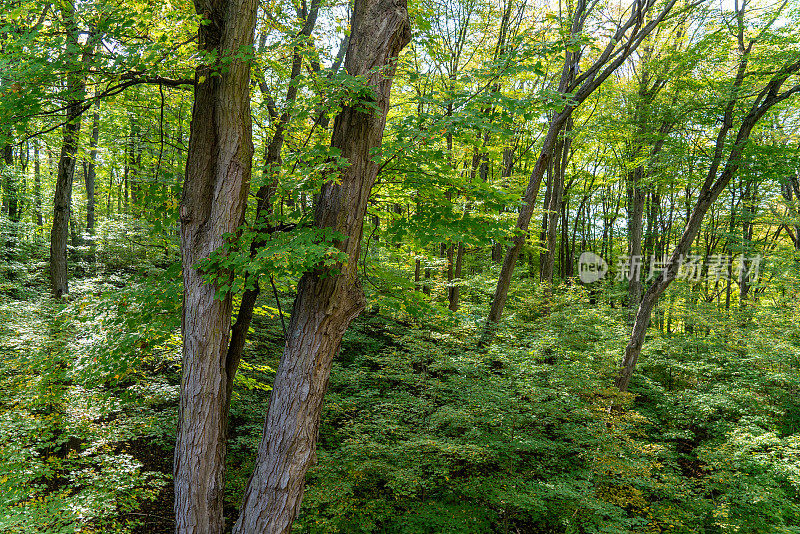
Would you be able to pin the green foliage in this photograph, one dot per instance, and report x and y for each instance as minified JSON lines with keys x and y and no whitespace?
{"x":69,"y":445}
{"x":284,"y":254}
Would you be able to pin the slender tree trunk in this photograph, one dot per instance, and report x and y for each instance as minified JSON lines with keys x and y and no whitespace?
{"x":731,"y":227}
{"x":10,"y":186}
{"x":497,"y":253}
{"x":91,"y":173}
{"x":327,"y":298}
{"x":417,"y":272}
{"x":508,"y":168}
{"x":523,"y":219}
{"x":376,"y":223}
{"x":636,"y":200}
{"x":556,"y":200}
{"x":8,"y":160}
{"x":449,"y":270}
{"x":215,"y":190}
{"x":748,"y":216}
{"x":109,"y":191}
{"x":455,"y":290}
{"x":62,"y":202}
{"x":37,"y":185}
{"x":264,"y":197}
{"x":10,"y":201}
{"x":426,"y":286}
{"x":637,"y":195}
{"x":548,"y":191}
{"x":564,"y":249}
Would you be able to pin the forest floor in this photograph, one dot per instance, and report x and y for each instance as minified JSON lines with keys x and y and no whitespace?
{"x":421,"y":432}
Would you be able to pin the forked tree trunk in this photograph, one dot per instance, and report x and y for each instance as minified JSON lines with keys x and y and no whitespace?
{"x":327,"y":298}
{"x":215,"y":190}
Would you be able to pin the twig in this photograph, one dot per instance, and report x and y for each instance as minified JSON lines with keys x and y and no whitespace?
{"x":278,"y":301}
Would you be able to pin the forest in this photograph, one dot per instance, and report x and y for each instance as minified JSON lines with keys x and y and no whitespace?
{"x":400,"y":266}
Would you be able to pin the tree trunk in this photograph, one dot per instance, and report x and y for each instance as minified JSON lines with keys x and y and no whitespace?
{"x":524,"y":218}
{"x":417,"y":270}
{"x":264,"y":198}
{"x":556,"y":199}
{"x":37,"y":186}
{"x":59,"y":233}
{"x":91,"y":172}
{"x":749,"y":209}
{"x":215,"y":190}
{"x":637,"y":195}
{"x":636,"y":198}
{"x":426,"y":286}
{"x":455,"y":289}
{"x":11,"y":193}
{"x":327,"y":298}
{"x":548,"y":191}
{"x":10,"y":202}
{"x":449,"y":286}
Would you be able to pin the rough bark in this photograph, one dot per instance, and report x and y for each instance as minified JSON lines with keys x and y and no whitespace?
{"x":327,"y":298}
{"x":215,"y":189}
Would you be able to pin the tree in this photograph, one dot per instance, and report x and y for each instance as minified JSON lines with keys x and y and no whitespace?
{"x":328,"y":298}
{"x":575,"y":90}
{"x":91,"y":172}
{"x":766,"y":96}
{"x":62,"y":203}
{"x":215,"y":190}
{"x":264,"y":195}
